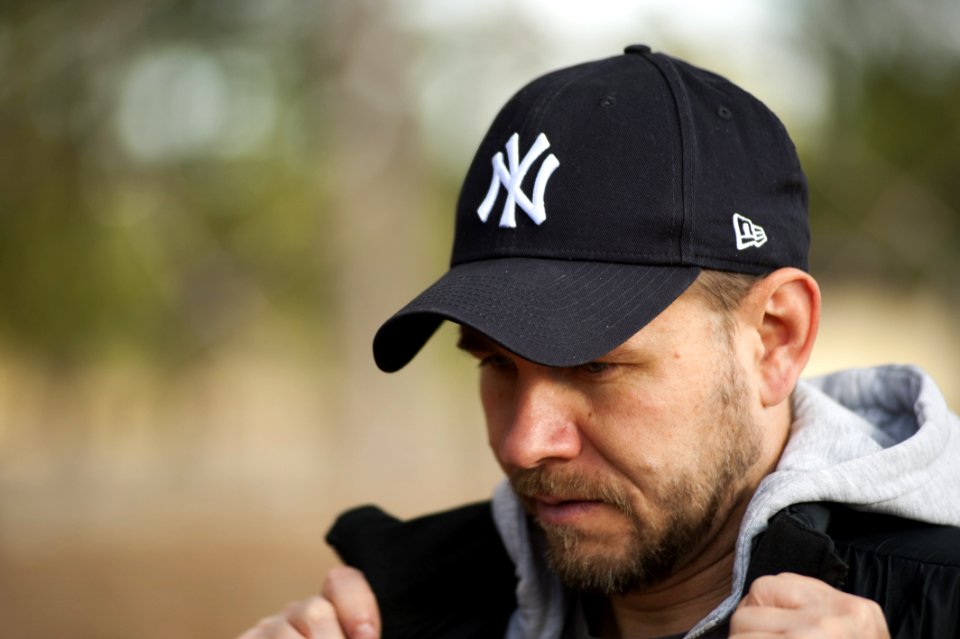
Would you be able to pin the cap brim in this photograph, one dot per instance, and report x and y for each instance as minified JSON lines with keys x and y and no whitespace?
{"x":552,"y":312}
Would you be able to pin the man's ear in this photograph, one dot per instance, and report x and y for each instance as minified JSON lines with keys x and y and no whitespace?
{"x":784,"y":308}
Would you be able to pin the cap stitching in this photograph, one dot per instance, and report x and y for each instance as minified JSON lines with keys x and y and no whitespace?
{"x":681,"y":103}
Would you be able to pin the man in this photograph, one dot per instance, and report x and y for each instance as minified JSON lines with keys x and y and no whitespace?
{"x":630,"y":270}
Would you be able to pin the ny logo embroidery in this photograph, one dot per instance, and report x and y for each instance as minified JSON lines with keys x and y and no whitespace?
{"x":511,"y":174}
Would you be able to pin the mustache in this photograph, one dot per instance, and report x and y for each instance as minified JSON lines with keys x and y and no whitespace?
{"x":540,"y":482}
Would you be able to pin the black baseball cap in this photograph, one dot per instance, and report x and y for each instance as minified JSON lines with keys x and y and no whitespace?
{"x":595,"y":199}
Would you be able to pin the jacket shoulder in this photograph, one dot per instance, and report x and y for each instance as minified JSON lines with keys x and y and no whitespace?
{"x":441,"y":575}
{"x":912,"y":569}
{"x":896,"y":537}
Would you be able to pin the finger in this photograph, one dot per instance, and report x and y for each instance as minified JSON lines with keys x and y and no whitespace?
{"x":766,"y":620}
{"x":787,"y":590}
{"x":275,"y":627}
{"x":790,"y":603}
{"x":780,"y":623}
{"x":350,"y":593}
{"x":314,"y":618}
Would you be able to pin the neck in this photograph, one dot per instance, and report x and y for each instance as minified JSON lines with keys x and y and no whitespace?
{"x":677,"y":604}
{"x":697,"y":587}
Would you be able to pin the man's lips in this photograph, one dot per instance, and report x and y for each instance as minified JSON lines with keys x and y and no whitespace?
{"x":560,"y":510}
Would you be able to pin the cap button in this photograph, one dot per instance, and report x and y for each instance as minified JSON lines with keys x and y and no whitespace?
{"x":637,"y":48}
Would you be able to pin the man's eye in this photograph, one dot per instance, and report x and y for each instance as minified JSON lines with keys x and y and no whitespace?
{"x":496,"y":361}
{"x":595,"y":368}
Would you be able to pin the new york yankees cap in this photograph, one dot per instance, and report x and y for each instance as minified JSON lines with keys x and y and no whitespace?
{"x":595,"y":199}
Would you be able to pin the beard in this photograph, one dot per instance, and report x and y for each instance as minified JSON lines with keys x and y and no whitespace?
{"x":651,"y":551}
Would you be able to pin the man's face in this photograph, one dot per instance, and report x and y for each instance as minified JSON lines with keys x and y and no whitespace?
{"x":631,"y":463}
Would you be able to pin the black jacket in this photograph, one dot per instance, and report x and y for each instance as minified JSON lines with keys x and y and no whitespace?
{"x":448,"y":575}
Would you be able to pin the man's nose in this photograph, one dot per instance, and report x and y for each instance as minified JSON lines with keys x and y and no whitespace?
{"x":543,"y":425}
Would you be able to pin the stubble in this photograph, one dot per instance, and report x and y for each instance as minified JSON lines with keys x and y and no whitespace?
{"x":651,"y":551}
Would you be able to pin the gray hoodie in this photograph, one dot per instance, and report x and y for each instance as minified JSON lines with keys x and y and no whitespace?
{"x":881,"y":440}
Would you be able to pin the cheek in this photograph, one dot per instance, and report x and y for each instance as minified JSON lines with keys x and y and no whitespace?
{"x":497,"y":403}
{"x":624,"y":428}
{"x":648,"y":433}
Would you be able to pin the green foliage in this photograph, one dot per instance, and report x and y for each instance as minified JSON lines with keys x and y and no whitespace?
{"x":156,"y":217}
{"x":166,"y":169}
{"x":885,"y":199}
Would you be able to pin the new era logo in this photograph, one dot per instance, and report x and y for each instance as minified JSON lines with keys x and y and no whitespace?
{"x":748,"y":233}
{"x":510,"y":174}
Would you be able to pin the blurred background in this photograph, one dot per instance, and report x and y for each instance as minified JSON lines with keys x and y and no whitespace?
{"x":208,"y":206}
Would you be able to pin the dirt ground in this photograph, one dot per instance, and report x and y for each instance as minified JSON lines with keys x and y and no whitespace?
{"x":145,"y":567}
{"x":130,"y":509}
{"x":205,"y":586}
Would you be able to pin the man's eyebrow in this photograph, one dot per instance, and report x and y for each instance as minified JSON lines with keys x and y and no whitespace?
{"x":623,"y":350}
{"x":472,"y":342}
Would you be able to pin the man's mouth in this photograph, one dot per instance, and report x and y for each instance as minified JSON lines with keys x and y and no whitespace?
{"x":558,"y":510}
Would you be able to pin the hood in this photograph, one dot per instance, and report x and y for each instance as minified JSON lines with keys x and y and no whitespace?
{"x":880,"y":440}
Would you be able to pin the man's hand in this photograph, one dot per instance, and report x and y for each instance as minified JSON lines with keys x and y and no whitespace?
{"x":347,"y":609}
{"x":789,"y":605}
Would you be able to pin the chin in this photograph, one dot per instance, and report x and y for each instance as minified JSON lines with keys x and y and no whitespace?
{"x":608,"y":562}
